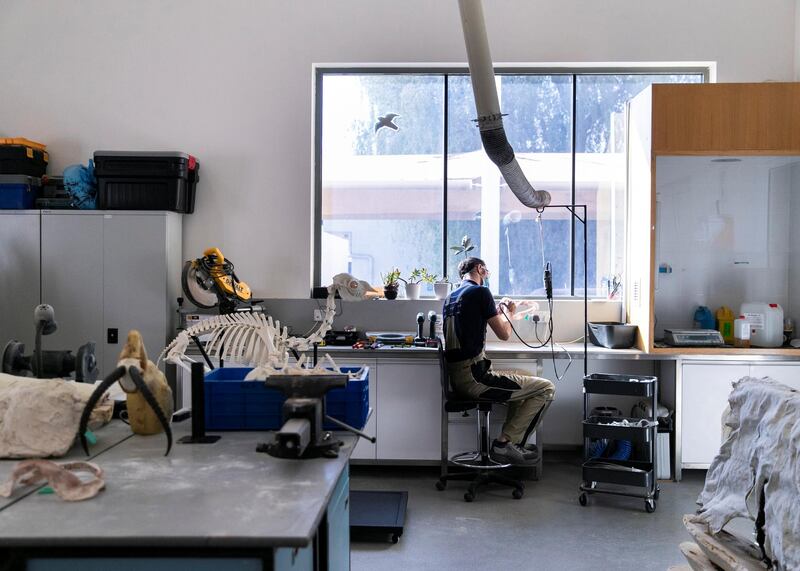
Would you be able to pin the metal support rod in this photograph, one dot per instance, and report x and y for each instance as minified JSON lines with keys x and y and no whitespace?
{"x":352,"y":429}
{"x":202,"y":351}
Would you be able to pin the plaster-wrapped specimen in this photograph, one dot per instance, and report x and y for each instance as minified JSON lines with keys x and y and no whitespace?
{"x":258,"y":340}
{"x":757,"y":471}
{"x":61,"y":477}
{"x":39,"y":417}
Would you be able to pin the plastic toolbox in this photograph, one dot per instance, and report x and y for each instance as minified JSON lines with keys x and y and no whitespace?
{"x":235,"y":404}
{"x":146,"y":180}
{"x":618,"y":384}
{"x":18,"y":191}
{"x":20,"y":156}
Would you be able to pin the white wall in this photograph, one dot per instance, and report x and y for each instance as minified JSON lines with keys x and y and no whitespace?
{"x":231,"y":83}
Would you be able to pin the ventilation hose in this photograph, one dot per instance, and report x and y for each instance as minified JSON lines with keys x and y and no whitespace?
{"x":490,"y":120}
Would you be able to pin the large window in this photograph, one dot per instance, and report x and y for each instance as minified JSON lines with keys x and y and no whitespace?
{"x":401,"y":175}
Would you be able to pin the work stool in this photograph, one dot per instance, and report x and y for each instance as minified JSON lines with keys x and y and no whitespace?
{"x":479,"y":468}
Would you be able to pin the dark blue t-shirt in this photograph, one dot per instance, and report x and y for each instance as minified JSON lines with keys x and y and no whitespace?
{"x":471,"y":306}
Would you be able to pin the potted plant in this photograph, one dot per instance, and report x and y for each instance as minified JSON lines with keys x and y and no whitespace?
{"x":441,"y":288}
{"x":415,"y":278}
{"x":391,"y":283}
{"x":465,"y":247}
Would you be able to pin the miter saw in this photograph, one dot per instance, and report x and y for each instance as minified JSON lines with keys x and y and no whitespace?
{"x":210,"y":282}
{"x":49,"y":364}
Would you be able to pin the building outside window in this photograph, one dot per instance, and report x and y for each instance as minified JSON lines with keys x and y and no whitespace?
{"x":402,"y":176}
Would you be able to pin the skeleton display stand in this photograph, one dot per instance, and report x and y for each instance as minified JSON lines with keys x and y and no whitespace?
{"x":198,"y":435}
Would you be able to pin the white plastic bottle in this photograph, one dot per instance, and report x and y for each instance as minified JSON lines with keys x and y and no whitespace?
{"x":741,"y":332}
{"x":766,"y":323}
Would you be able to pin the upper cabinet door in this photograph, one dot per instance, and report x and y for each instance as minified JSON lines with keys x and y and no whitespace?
{"x":726,"y":117}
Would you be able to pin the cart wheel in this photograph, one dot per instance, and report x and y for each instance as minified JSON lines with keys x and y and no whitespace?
{"x":582,"y":499}
{"x":657,"y":494}
{"x":441,"y":485}
{"x":395,"y":538}
{"x":517,"y":493}
{"x":650,"y":506}
{"x":468,"y":496}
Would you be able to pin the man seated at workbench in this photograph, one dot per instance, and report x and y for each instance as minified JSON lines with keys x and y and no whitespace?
{"x":467,"y":311}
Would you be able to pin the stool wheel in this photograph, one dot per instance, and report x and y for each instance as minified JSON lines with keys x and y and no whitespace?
{"x":441,"y":485}
{"x":517,"y":493}
{"x":469,"y":496}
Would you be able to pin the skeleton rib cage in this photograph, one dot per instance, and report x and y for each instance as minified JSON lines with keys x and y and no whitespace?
{"x":257,"y":340}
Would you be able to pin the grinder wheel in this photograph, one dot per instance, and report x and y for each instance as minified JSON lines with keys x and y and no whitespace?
{"x":86,"y":363}
{"x":13,"y":363}
{"x":194,"y":289}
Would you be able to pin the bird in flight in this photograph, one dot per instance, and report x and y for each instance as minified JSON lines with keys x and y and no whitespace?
{"x":387,"y":121}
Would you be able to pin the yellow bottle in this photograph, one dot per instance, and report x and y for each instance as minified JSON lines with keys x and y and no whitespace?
{"x":725,"y":323}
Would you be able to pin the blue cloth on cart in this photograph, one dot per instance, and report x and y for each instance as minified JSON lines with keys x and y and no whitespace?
{"x":79,"y":181}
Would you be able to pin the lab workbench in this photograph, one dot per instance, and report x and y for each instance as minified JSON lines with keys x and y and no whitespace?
{"x":210,"y":500}
{"x":404,"y":384}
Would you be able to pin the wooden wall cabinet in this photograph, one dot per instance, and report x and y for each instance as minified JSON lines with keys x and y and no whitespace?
{"x":714,"y":198}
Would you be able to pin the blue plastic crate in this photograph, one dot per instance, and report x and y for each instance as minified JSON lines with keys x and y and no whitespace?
{"x":235,"y":404}
{"x":18,"y":192}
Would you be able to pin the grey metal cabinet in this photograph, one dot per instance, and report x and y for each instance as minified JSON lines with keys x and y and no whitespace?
{"x":409,"y":409}
{"x":100,"y":270}
{"x":19,"y":275}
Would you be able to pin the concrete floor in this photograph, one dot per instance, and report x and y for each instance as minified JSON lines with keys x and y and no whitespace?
{"x":547,"y":529}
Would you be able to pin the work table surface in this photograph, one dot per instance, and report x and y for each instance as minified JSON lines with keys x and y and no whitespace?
{"x":108,"y":436}
{"x":498,"y":350}
{"x":217,"y":495}
{"x":517,"y":350}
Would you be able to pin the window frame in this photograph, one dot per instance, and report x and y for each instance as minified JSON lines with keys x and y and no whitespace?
{"x":706,"y":69}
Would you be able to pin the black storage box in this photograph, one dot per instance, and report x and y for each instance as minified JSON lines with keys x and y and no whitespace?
{"x":146,"y":180}
{"x":612,"y":335}
{"x":21,"y":159}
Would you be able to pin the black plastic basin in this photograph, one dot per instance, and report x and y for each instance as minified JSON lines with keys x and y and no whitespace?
{"x":612,"y":335}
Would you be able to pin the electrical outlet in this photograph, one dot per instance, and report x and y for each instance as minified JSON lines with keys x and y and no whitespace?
{"x":318,"y":315}
{"x":540,"y":316}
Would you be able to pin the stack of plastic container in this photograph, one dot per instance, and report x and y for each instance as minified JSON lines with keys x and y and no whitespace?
{"x":23,"y":163}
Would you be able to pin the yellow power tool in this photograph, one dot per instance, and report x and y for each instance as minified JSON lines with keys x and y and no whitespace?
{"x":210,"y":282}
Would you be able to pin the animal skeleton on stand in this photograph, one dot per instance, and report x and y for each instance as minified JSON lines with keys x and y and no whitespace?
{"x":258,"y":340}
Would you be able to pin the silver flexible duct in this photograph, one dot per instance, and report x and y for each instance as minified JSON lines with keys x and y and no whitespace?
{"x":490,"y":120}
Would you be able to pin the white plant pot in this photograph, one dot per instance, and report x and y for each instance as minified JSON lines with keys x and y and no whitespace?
{"x":441,"y":289}
{"x":412,"y":291}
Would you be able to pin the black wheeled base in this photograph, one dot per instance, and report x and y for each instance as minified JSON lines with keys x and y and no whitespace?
{"x":481,"y":478}
{"x":377,"y":514}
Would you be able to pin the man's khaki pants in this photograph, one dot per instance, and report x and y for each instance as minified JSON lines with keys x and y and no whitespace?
{"x":524,"y":394}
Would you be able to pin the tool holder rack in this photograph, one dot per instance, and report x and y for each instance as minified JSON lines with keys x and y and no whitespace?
{"x":622,"y":473}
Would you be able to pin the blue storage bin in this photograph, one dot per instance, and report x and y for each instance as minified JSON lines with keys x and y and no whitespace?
{"x":19,"y":192}
{"x":235,"y":404}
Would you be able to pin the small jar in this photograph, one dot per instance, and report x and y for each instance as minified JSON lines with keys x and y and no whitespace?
{"x":741,"y":332}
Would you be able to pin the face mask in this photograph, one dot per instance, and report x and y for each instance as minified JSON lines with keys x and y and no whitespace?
{"x":486,"y":282}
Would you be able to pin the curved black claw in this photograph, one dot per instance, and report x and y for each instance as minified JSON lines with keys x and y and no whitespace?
{"x":112,"y":378}
{"x":151,"y":400}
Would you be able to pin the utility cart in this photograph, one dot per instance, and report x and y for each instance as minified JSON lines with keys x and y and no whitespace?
{"x":627,"y":473}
